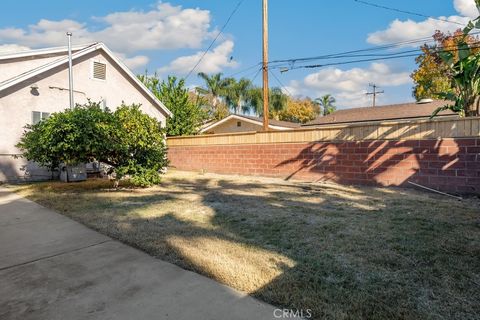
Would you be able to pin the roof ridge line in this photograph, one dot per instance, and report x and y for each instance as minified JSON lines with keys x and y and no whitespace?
{"x":45,"y":65}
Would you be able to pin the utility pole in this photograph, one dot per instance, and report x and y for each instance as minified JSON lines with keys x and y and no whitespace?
{"x":70,"y":70}
{"x":265,"y":66}
{"x":374,"y":93}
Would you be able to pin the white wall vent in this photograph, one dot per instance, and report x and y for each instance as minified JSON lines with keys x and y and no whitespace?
{"x":99,"y":70}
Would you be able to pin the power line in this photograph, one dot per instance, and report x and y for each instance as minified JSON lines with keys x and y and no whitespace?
{"x":256,"y":75}
{"x":344,"y":54}
{"x":396,"y":56}
{"x":244,"y":70}
{"x":215,"y":39}
{"x":407,"y":12}
{"x":280,"y":83}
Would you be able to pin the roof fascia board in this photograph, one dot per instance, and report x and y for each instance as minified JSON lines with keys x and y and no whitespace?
{"x":77,"y":55}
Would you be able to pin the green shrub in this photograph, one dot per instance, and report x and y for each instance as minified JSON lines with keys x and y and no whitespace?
{"x":129,"y":141}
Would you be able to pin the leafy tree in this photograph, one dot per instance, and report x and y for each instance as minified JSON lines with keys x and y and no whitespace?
{"x":327,"y":103}
{"x":215,"y":86}
{"x":238,"y":94}
{"x":188,"y":116}
{"x":139,"y":149}
{"x":464,"y":67}
{"x":129,"y":141}
{"x":299,"y":110}
{"x":217,"y":113}
{"x":433,"y":75}
{"x":214,"y":94}
{"x":70,"y":137}
{"x":277,"y":100}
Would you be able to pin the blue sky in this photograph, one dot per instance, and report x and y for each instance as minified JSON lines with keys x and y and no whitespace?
{"x":169,"y":36}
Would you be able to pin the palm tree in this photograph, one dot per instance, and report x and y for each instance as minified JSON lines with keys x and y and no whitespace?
{"x":277,"y":100}
{"x":215,"y":86}
{"x":327,"y":103}
{"x":237,"y":94}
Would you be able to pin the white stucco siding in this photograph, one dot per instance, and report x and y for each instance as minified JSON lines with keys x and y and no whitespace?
{"x":13,"y":67}
{"x":17,"y":103}
{"x":231,"y":126}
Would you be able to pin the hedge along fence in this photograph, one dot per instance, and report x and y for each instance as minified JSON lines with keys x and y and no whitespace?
{"x":441,"y":153}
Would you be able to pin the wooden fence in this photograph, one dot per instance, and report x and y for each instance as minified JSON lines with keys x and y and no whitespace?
{"x":388,"y":130}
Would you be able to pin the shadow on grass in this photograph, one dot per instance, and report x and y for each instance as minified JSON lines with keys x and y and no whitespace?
{"x":344,"y":253}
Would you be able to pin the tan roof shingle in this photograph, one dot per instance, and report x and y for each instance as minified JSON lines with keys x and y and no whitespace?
{"x":388,"y":112}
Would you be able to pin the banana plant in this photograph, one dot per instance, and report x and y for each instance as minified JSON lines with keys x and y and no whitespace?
{"x":465,"y":91}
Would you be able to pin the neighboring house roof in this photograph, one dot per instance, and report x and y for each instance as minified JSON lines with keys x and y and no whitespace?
{"x":388,"y":112}
{"x":273,"y":124}
{"x":79,"y":52}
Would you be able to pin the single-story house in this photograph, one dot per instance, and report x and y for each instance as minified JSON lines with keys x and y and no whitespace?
{"x":34,"y":84}
{"x":405,"y":111}
{"x":241,"y":123}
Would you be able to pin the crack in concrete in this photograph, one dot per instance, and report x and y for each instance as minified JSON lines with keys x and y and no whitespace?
{"x":55,"y":255}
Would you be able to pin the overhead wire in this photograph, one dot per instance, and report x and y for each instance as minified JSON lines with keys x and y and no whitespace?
{"x":407,"y":12}
{"x":215,"y":39}
{"x":405,"y":54}
{"x":281,"y":83}
{"x":353,"y":52}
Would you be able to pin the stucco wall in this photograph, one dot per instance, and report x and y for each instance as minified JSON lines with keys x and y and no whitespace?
{"x":231,"y":126}
{"x":18,"y":102}
{"x":13,"y":67}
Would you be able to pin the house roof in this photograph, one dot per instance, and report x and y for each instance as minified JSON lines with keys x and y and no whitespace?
{"x":40,"y":52}
{"x":273,"y":124}
{"x":80,"y":52}
{"x":388,"y":112}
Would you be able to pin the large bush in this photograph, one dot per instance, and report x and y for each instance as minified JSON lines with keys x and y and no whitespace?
{"x":129,"y":141}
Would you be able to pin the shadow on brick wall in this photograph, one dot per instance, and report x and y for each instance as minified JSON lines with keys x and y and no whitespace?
{"x":449,"y":164}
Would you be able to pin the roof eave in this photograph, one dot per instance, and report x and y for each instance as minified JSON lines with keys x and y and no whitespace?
{"x":78,"y":54}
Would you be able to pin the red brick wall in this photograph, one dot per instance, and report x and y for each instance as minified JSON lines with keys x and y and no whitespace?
{"x":449,"y":164}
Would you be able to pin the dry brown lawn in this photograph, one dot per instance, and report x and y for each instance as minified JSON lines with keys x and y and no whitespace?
{"x":344,"y":252}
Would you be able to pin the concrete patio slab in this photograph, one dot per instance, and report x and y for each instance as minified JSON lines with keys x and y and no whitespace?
{"x":54,"y":268}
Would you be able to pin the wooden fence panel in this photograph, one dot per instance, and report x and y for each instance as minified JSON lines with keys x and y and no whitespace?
{"x":388,"y":130}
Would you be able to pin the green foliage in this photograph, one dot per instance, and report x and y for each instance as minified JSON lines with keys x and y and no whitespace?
{"x":277,"y":100}
{"x":465,"y":73}
{"x":239,"y":95}
{"x":431,"y":78}
{"x":71,"y":137}
{"x":214,"y":94}
{"x":299,"y":110}
{"x":327,"y":103}
{"x":129,"y":141}
{"x":139,"y":146}
{"x":188,"y":114}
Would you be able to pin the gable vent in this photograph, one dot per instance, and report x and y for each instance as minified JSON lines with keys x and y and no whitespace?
{"x":99,"y":70}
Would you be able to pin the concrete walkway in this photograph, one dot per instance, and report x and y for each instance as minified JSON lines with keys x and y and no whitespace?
{"x":52,"y":267}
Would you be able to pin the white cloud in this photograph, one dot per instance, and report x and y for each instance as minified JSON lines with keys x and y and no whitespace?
{"x":214,"y":61}
{"x":7,"y":48}
{"x":402,"y":30}
{"x":134,"y":62}
{"x":349,"y":86}
{"x":407,"y":30}
{"x":165,"y":27}
{"x":466,"y":8}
